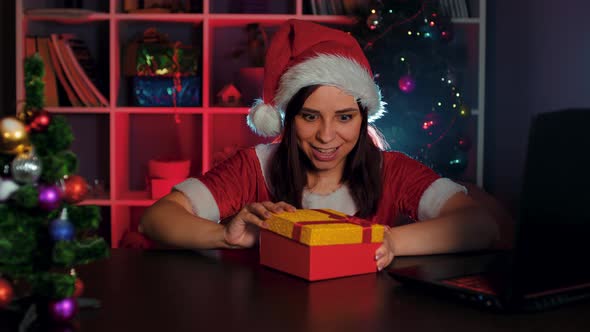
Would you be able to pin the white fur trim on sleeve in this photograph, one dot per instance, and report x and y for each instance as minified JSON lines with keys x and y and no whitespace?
{"x":435,"y":196}
{"x":200,"y":197}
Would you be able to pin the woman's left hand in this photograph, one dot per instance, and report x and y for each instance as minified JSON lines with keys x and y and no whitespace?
{"x":385,"y":254}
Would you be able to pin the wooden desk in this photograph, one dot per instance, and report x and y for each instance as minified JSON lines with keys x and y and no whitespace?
{"x":229,"y":291}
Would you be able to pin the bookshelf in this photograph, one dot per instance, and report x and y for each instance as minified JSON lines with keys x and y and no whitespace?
{"x":115,"y":142}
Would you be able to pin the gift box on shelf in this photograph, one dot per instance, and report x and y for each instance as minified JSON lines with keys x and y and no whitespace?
{"x":163,"y":73}
{"x":320,"y":244}
{"x":165,"y":174}
{"x":153,"y":91}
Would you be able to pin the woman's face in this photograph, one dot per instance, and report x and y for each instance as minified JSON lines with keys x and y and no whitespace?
{"x":328,"y":127}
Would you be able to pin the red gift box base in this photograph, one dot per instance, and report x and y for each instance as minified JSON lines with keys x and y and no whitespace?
{"x":316,"y":262}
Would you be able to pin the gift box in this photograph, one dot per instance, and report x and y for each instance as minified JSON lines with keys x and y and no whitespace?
{"x":162,"y":90}
{"x":320,"y":244}
{"x":165,"y":58}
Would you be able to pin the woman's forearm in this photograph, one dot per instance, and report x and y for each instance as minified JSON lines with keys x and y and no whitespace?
{"x":470,"y":228}
{"x":168,"y":222}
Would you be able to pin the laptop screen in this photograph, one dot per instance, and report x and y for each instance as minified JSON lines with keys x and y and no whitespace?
{"x":553,"y":236}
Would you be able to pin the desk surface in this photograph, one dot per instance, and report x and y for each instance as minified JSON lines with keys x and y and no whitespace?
{"x":228,"y":291}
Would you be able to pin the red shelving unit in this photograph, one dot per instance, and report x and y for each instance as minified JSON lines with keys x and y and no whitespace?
{"x":117,"y":141}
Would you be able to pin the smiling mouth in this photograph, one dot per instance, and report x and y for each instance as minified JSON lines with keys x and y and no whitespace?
{"x":324,"y":154}
{"x":331,"y":150}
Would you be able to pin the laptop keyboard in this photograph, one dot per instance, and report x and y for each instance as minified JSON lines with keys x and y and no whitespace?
{"x":478,"y":282}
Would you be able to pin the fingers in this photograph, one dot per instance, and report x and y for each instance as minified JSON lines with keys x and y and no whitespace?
{"x":255,"y":214}
{"x":279,"y":207}
{"x":383,"y":257}
{"x":286,"y":206}
{"x":384,"y":254}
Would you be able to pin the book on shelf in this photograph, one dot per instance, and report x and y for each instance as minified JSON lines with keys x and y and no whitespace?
{"x":71,"y":73}
{"x":79,"y":55}
{"x":463,"y":9}
{"x":79,"y":88}
{"x":454,"y":8}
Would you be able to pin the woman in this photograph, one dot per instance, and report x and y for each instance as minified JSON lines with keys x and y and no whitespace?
{"x":326,"y":158}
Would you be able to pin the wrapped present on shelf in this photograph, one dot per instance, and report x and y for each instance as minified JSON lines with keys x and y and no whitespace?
{"x":163,"y":73}
{"x":320,"y":244}
{"x":151,"y":91}
{"x":165,"y":59}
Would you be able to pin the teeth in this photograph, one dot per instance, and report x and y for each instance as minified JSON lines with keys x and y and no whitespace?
{"x":326,"y":150}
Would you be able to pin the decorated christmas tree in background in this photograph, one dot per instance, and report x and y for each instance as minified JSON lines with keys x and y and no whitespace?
{"x":43,"y":234}
{"x":410,"y":47}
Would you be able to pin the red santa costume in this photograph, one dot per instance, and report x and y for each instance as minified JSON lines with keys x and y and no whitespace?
{"x":302,"y":54}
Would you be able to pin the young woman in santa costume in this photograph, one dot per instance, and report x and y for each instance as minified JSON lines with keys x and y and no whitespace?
{"x":320,"y":97}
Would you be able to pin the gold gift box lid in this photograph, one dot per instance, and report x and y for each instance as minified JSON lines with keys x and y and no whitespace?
{"x":315,"y":227}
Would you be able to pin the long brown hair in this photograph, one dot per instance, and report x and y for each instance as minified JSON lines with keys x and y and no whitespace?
{"x":289,"y":165}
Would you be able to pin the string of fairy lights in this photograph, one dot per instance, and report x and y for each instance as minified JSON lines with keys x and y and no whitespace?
{"x":410,"y":46}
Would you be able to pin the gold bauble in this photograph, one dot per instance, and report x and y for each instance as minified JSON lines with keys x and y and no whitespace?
{"x":13,"y":136}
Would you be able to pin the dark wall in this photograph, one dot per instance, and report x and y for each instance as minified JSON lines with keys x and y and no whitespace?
{"x":7,"y":58}
{"x":538,"y":60}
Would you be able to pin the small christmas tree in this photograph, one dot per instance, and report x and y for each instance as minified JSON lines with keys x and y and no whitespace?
{"x":43,"y":234}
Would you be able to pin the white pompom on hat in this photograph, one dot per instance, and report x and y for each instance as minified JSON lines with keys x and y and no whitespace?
{"x":303,"y":53}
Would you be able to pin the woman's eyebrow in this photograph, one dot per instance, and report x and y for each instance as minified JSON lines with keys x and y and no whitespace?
{"x":344,"y":110}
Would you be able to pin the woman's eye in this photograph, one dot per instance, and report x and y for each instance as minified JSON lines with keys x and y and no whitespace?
{"x":345,"y":117}
{"x":308,"y":116}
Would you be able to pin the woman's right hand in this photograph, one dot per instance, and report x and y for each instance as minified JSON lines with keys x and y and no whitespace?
{"x":242,"y":230}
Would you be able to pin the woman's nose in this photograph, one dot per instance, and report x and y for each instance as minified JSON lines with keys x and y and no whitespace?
{"x":326,"y":132}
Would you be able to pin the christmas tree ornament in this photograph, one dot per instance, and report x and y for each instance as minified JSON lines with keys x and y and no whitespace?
{"x":26,"y":168}
{"x":406,"y":83}
{"x":5,"y":169}
{"x":40,"y":121}
{"x":25,"y":115}
{"x":63,"y":310}
{"x":49,"y":197}
{"x":61,"y":229}
{"x":6,"y":293}
{"x":7,"y":188}
{"x":78,"y":288}
{"x":13,"y":136}
{"x":75,"y":188}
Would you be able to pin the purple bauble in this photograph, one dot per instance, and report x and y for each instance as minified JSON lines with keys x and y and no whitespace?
{"x":63,"y":310}
{"x":49,"y":197}
{"x":406,"y":83}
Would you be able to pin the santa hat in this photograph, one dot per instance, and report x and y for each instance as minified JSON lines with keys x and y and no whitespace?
{"x":301,"y":54}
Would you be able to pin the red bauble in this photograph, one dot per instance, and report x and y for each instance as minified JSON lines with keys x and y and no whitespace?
{"x":6,"y":293}
{"x":78,"y":288}
{"x":75,"y":189}
{"x":40,"y":121}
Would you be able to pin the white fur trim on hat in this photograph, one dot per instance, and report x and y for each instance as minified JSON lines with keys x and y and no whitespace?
{"x":334,"y":70}
{"x":264,"y":119}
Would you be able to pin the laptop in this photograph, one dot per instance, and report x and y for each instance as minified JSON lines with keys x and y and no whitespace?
{"x":548,"y":265}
